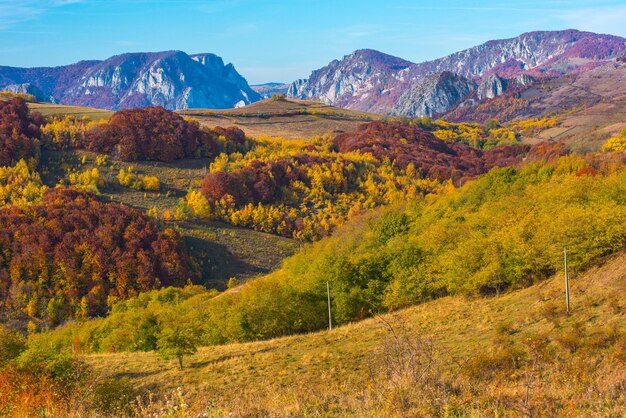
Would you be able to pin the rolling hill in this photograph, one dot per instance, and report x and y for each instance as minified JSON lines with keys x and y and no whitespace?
{"x":466,"y":346}
{"x":287,"y":118}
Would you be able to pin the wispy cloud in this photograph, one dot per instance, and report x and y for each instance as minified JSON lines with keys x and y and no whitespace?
{"x":218,"y":6}
{"x":604,"y":20}
{"x":484,"y":9}
{"x":14,"y":12}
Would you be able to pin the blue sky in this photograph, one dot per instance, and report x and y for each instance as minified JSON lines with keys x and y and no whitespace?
{"x":280,"y":40}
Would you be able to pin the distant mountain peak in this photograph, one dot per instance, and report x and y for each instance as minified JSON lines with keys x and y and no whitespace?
{"x":172,"y":79}
{"x":356,"y":77}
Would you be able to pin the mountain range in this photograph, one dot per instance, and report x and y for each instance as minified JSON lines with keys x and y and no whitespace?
{"x":171,"y":79}
{"x":372,"y":81}
{"x":365,"y":80}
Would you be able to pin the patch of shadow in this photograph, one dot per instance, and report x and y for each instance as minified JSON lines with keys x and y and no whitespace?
{"x":199,"y":364}
{"x":217,"y":263}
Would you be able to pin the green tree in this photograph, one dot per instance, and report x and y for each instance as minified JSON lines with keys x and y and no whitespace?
{"x":179,"y":337}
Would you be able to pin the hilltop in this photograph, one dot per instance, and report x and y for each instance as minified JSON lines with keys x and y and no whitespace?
{"x":288,"y":118}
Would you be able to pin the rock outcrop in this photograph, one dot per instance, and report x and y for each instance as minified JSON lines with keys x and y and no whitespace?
{"x":433,"y":94}
{"x":491,"y":86}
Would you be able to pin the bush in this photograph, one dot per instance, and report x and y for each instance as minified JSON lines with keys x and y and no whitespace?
{"x":88,"y":180}
{"x":12,"y":343}
{"x":113,"y":397}
{"x":136,"y":181}
{"x":151,"y":183}
{"x":615,"y":144}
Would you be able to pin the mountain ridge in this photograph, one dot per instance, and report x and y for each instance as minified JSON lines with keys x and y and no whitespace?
{"x":531,"y":54}
{"x":172,"y":79}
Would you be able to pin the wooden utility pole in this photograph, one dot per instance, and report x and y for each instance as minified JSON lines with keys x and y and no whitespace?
{"x":330,"y":321}
{"x":566,"y":280}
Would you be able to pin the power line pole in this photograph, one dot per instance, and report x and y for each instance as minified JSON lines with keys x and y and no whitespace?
{"x":566,"y":281}
{"x":330,"y":321}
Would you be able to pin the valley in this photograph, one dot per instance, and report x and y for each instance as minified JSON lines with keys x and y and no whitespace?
{"x":176,"y":242}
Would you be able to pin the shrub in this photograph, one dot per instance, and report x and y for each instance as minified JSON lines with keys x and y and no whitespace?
{"x":136,"y":181}
{"x":151,"y":183}
{"x":615,"y":144}
{"x":88,"y":180}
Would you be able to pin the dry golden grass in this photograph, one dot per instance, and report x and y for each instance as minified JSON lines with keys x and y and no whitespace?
{"x":291,"y":119}
{"x":49,"y":109}
{"x":514,"y":355}
{"x":591,"y":109}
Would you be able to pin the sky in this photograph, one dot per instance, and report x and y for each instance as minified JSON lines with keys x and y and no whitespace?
{"x":280,"y":40}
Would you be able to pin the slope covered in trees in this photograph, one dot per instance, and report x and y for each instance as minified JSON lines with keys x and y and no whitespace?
{"x":504,"y":230}
{"x":19,"y":132}
{"x":509,"y":355}
{"x":73,"y":256}
{"x":305,"y":189}
{"x":151,"y":133}
{"x":405,"y":144}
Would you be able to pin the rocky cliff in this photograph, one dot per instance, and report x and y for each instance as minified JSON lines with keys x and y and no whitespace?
{"x":362,"y":79}
{"x":433,"y":94}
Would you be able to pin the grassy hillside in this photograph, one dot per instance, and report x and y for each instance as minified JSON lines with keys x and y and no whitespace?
{"x":49,"y":109}
{"x":510,"y":355}
{"x":288,"y":118}
{"x":588,"y":128}
{"x":466,"y":350}
{"x":590,"y":107}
